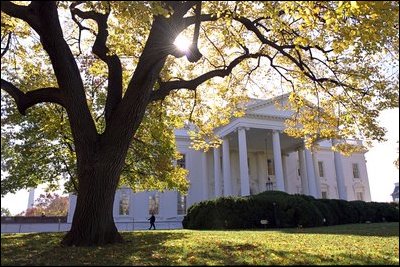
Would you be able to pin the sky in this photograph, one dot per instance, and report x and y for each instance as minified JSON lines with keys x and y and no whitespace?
{"x":382,"y":172}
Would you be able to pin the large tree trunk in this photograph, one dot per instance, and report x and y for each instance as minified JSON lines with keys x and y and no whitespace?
{"x":93,"y":221}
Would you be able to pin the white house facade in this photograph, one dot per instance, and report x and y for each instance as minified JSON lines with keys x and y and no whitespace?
{"x":255,"y":156}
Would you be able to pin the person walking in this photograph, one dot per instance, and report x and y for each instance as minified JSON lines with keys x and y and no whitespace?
{"x":152,"y":219}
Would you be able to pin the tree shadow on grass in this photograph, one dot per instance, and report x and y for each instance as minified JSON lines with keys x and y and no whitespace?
{"x":176,"y":248}
{"x":45,"y":249}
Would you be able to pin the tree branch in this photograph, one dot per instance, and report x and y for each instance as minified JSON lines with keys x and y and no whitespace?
{"x":299,"y":63}
{"x":180,"y":8}
{"x":7,"y":45}
{"x":26,"y":13}
{"x":14,"y":10}
{"x":29,"y":99}
{"x":166,"y":87}
{"x":194,"y":52}
{"x":100,"y":49}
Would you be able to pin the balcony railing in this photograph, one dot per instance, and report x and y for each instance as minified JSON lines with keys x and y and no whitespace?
{"x":269,"y":186}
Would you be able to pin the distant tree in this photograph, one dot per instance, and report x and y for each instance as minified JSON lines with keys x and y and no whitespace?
{"x":5,"y":212}
{"x":48,"y":204}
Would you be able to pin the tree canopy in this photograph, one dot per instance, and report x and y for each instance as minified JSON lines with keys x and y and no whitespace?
{"x":341,"y":56}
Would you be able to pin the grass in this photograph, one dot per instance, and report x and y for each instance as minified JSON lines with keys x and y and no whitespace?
{"x":352,"y":244}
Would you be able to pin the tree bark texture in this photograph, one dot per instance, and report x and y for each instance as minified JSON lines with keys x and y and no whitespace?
{"x":93,"y":221}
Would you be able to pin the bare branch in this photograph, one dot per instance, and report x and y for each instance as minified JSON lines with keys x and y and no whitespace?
{"x":194,"y":52}
{"x":71,"y":176}
{"x":194,"y":105}
{"x":29,"y":99}
{"x":100,"y":49}
{"x":7,"y":45}
{"x":216,"y":48}
{"x":166,"y":87}
{"x":80,"y":26}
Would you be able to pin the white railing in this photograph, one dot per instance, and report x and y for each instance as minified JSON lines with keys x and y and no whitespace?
{"x":63,"y":227}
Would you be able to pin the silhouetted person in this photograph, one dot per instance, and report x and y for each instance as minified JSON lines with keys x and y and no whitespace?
{"x":152,"y":219}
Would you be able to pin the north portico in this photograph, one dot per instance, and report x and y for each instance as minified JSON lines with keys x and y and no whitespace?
{"x":255,"y":156}
{"x":255,"y":152}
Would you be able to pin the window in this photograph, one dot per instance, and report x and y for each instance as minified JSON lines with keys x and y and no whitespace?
{"x":182,"y":161}
{"x":321,"y":168}
{"x":181,"y":204}
{"x":154,"y":204}
{"x":324,"y":194}
{"x":271,"y":170}
{"x":124,"y":204}
{"x":356,"y":173}
{"x":359,"y":196}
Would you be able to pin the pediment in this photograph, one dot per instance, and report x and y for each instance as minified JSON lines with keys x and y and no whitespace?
{"x":270,"y":107}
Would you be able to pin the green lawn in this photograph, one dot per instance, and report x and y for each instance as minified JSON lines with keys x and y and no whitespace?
{"x":355,"y":244}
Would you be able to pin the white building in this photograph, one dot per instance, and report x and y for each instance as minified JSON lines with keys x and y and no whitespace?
{"x":255,"y":156}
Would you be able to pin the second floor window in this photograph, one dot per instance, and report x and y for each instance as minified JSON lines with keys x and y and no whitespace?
{"x":356,"y":173}
{"x":321,"y":168}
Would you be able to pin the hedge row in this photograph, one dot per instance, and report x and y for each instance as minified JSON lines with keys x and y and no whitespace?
{"x":281,"y":209}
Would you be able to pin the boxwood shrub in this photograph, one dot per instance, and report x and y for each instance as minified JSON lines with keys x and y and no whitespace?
{"x":281,"y":209}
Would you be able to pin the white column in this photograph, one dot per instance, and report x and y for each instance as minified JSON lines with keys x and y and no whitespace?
{"x":280,"y":185}
{"x":339,"y":174}
{"x":303,"y":173}
{"x":205,"y":174}
{"x":284,"y":168}
{"x":235,"y":173}
{"x":72,"y":205}
{"x":217,"y":172}
{"x":31,"y":198}
{"x":261,"y":172}
{"x":310,"y":173}
{"x":243,"y":164}
{"x":317,"y":178}
{"x":226,"y":164}
{"x":116,"y":203}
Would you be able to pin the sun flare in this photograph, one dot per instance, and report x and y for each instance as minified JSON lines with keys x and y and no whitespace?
{"x":182,"y":43}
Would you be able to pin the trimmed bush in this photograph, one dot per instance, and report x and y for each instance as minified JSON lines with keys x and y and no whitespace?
{"x":281,"y":209}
